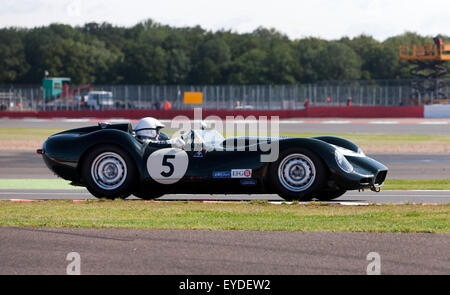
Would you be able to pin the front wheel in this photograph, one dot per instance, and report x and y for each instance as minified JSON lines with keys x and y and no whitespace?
{"x":297,"y":175}
{"x":109,"y":172}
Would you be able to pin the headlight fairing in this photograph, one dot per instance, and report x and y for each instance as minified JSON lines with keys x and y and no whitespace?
{"x":343,"y":163}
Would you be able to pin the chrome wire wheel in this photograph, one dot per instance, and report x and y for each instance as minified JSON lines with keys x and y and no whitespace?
{"x":109,"y":170}
{"x":296,"y":172}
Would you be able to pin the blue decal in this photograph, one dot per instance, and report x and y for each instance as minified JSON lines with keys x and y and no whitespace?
{"x":198,"y":154}
{"x":248,"y":182}
{"x":221,"y":174}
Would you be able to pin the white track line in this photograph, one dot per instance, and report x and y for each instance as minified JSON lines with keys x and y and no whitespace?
{"x":384,"y":122}
{"x":336,"y":122}
{"x":433,"y":123}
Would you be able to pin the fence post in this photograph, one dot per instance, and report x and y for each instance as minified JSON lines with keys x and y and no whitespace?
{"x":32,"y":98}
{"x":21,"y":100}
{"x":338,"y":95}
{"x":270,"y":97}
{"x":386,"y":94}
{"x":126,"y":97}
{"x":217,"y":97}
{"x":139,"y":97}
{"x":374,"y":94}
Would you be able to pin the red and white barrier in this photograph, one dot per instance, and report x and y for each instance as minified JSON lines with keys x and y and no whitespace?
{"x":437,"y":111}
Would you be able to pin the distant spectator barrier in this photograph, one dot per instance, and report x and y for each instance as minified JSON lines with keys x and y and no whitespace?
{"x":311,"y":112}
{"x":256,"y":97}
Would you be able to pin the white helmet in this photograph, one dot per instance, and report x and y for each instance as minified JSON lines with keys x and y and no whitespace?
{"x":148,"y":128}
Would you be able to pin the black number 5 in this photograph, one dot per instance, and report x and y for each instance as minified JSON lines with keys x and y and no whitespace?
{"x":166,"y":163}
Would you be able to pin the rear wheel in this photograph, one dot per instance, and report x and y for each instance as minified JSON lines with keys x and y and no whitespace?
{"x":298,"y":174}
{"x":109,"y":172}
{"x":147,"y":195}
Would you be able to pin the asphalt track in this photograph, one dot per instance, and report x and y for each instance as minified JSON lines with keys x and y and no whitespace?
{"x":367,"y":126}
{"x":194,"y":252}
{"x":350,"y":198}
{"x":27,"y":164}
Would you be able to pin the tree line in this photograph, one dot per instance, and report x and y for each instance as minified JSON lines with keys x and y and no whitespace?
{"x":152,"y":53}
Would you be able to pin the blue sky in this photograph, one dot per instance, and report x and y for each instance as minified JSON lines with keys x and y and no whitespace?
{"x":329,"y":19}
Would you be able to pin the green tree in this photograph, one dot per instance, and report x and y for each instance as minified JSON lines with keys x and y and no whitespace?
{"x":337,"y":61}
{"x":250,"y":68}
{"x":213,"y":62}
{"x":13,"y":64}
{"x":307,"y":55}
{"x":144,"y":64}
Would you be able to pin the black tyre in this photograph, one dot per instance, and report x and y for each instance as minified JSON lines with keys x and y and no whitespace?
{"x":147,"y":195}
{"x":330,"y":195}
{"x":298,"y":174}
{"x":109,"y":172}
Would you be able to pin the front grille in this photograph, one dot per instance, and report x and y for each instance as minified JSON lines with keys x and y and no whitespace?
{"x":381,"y":176}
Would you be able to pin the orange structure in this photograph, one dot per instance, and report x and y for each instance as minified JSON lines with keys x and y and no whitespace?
{"x":425,"y":52}
{"x":428,"y":61}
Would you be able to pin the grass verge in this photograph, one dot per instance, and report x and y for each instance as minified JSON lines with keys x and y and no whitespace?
{"x":417,"y":184}
{"x":230,"y":216}
{"x":54,"y":183}
{"x":382,"y":139}
{"x":390,"y":184}
{"x":32,"y":138}
{"x":39,"y":134}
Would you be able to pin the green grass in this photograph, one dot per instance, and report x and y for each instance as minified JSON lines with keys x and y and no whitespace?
{"x":231,"y":216}
{"x":381,"y":139}
{"x":27,"y":133}
{"x":417,"y":184}
{"x":390,"y":184}
{"x":56,"y":183}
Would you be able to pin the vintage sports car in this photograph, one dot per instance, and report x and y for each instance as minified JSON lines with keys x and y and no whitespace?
{"x":112,"y":162}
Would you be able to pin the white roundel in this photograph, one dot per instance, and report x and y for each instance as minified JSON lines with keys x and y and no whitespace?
{"x":168,"y":165}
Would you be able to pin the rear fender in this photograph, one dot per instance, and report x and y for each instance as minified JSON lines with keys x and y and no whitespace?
{"x":118,"y":138}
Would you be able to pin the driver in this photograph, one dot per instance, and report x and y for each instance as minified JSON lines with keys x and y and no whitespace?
{"x":148,"y":130}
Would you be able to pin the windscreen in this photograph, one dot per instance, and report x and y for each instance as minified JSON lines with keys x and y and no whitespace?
{"x":209,"y":138}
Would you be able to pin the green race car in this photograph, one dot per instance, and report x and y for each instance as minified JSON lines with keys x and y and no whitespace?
{"x":112,"y":162}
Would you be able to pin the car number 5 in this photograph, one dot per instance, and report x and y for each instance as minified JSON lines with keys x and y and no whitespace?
{"x":165,"y":162}
{"x":167,"y":165}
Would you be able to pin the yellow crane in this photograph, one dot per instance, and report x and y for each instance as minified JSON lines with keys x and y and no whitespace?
{"x":428,"y":61}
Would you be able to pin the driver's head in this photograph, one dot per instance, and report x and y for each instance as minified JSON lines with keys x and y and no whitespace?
{"x":148,"y":128}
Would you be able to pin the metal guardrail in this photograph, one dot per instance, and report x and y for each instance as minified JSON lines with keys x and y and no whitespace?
{"x":274,"y":97}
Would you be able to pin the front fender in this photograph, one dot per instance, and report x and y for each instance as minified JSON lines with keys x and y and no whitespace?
{"x":339,"y":141}
{"x":322,"y":149}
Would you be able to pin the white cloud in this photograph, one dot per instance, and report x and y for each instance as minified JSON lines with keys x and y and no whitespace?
{"x":328,"y":19}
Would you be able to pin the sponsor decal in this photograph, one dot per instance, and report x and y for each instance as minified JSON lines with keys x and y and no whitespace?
{"x":241,"y":173}
{"x":221,"y":174}
{"x":248,"y":182}
{"x":198,"y":154}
